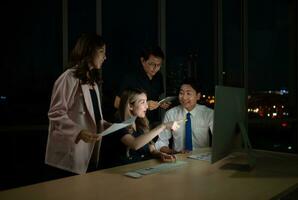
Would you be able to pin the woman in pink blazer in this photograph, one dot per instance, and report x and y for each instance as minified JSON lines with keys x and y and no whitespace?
{"x":75,"y":115}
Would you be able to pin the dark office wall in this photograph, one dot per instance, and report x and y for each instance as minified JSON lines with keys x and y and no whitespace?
{"x":81,"y":18}
{"x":31,"y":60}
{"x":31,"y":50}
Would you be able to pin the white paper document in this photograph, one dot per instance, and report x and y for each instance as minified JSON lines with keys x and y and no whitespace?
{"x":117,"y":126}
{"x":167,"y":99}
{"x":201,"y":156}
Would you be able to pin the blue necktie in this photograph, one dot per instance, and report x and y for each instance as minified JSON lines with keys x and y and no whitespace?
{"x":188,"y":135}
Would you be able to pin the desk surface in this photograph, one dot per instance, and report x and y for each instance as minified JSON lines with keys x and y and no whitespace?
{"x":273,"y":173}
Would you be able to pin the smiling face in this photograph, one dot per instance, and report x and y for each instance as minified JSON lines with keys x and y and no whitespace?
{"x":99,"y":58}
{"x":188,"y":97}
{"x":139,"y":105}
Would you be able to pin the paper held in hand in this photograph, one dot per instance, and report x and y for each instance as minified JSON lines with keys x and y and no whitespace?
{"x":167,"y":99}
{"x":117,"y":126}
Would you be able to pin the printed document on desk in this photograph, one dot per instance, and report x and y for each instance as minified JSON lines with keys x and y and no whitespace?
{"x":117,"y":126}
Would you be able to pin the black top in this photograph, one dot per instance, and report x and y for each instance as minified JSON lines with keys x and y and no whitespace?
{"x":94,"y":157}
{"x":154,"y":88}
{"x":95,"y":107}
{"x":114,"y":153}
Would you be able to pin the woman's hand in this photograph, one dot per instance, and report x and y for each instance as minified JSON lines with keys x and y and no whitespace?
{"x":174,"y":125}
{"x":87,"y":137}
{"x":105,"y":124}
{"x":167,"y":157}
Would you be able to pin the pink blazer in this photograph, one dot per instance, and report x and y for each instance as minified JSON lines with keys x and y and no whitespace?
{"x":71,"y":110}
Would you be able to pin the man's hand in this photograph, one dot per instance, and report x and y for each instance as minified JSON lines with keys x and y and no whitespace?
{"x":152,"y":105}
{"x":165,"y":105}
{"x":184,"y":151}
{"x":105,"y":124}
{"x":167,"y":157}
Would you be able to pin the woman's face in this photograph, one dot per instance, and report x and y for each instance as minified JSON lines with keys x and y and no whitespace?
{"x":100,"y":57}
{"x":140,"y":106}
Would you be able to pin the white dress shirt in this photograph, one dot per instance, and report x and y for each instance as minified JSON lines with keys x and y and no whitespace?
{"x":201,"y":123}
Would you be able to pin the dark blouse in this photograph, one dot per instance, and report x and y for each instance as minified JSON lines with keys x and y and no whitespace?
{"x":95,"y":106}
{"x":114,"y":153}
{"x":93,"y":164}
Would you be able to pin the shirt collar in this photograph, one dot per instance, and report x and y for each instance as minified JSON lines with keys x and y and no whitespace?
{"x":143,"y":74}
{"x":192,"y":112}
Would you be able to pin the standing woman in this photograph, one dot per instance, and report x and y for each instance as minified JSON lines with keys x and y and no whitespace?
{"x":75,"y":115}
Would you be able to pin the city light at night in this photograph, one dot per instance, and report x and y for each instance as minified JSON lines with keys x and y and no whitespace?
{"x":268,"y":104}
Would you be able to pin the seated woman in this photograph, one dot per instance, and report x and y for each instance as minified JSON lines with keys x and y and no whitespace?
{"x":134,"y":143}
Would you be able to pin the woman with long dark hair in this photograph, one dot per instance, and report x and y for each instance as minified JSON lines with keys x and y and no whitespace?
{"x":75,"y":114}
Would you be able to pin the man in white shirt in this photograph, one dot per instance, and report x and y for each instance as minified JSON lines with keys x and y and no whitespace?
{"x":201,"y":118}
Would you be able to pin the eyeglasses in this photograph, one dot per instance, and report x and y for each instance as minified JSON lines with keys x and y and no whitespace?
{"x":154,"y":65}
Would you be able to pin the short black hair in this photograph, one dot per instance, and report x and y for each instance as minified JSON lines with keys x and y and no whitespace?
{"x":193,"y":82}
{"x":152,"y":50}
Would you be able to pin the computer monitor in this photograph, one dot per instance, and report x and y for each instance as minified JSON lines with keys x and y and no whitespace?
{"x":230,"y":122}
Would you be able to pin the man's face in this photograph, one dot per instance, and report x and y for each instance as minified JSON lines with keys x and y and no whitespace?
{"x":152,"y":65}
{"x":188,"y":97}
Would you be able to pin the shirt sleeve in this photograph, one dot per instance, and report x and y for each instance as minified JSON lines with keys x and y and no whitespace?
{"x":164,"y":136}
{"x":62,"y":98}
{"x":210,"y":120}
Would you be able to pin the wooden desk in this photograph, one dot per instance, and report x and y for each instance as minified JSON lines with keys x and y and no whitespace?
{"x":274,"y":173}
